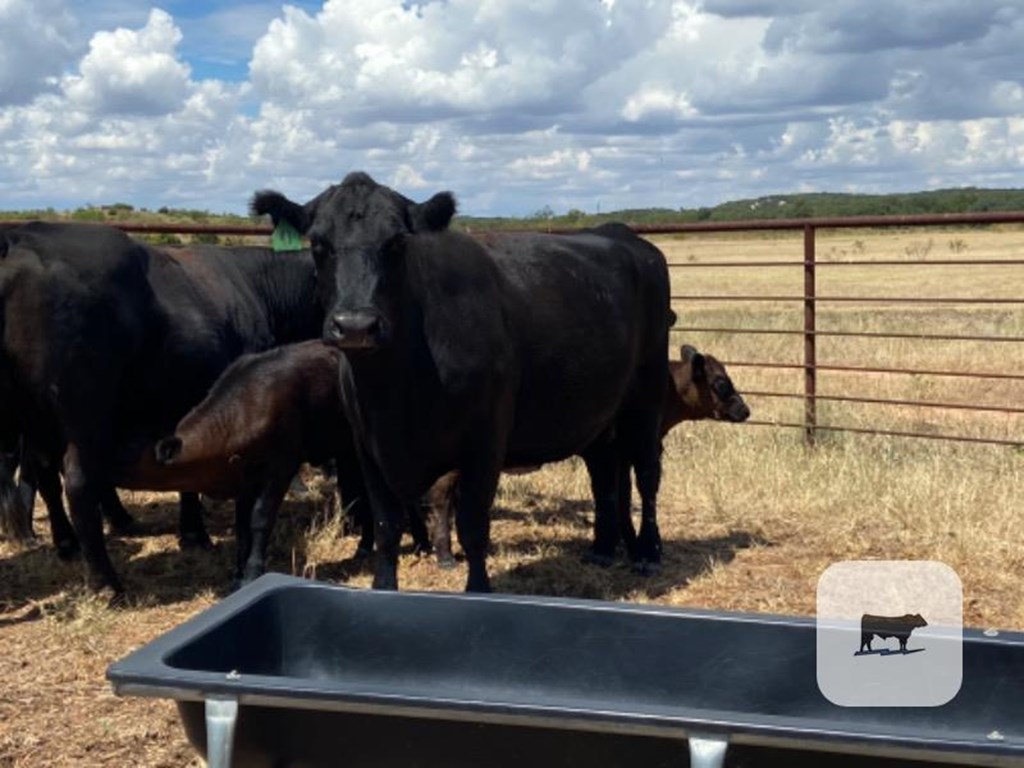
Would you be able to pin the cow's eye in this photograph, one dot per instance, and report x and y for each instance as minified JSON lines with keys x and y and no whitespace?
{"x":722,"y":388}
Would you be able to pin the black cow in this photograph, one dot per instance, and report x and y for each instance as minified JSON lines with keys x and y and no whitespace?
{"x":472,"y":355}
{"x":111,"y":342}
{"x":885,"y":627}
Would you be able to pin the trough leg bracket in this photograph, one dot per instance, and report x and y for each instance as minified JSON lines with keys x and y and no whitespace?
{"x":707,"y":750}
{"x":221,"y":716}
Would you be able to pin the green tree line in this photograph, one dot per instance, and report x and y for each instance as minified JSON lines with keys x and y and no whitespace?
{"x":810,"y":205}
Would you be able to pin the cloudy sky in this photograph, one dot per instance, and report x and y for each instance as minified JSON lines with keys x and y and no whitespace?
{"x":513,"y":104}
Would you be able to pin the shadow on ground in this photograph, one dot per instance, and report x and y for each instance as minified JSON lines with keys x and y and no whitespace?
{"x":564,"y":574}
{"x":155,"y":571}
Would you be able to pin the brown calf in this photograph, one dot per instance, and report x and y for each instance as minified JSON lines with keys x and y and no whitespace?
{"x":700,"y":389}
{"x":266,"y":415}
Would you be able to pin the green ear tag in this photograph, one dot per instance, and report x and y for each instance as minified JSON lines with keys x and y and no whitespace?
{"x":285,"y":238}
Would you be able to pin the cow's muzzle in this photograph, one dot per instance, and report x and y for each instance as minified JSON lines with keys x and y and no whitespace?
{"x":355,"y":330}
{"x":737,"y":411}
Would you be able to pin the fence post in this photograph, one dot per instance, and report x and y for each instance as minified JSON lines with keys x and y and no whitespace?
{"x":810,"y":352}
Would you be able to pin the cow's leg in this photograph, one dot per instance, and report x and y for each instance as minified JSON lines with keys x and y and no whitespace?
{"x":84,"y":478}
{"x":114,"y":511}
{"x":442,"y":509}
{"x":602,"y":463}
{"x":15,"y":516}
{"x":388,"y":522}
{"x":625,"y":501}
{"x":28,"y":482}
{"x":648,"y":478}
{"x":264,"y":515}
{"x":639,"y":440}
{"x":418,"y":527}
{"x":476,"y":486}
{"x":354,"y":498}
{"x":45,"y":477}
{"x":243,"y":534}
{"x":191,"y":530}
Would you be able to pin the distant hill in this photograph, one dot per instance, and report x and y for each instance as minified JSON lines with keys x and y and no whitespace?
{"x":817,"y":204}
{"x":797,"y":206}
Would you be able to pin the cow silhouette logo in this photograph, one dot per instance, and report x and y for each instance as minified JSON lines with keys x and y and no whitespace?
{"x":885,"y":627}
{"x":889,"y":633}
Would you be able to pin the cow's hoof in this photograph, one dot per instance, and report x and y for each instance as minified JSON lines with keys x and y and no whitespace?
{"x":595,"y":558}
{"x":195,"y":540}
{"x":111,"y":589}
{"x":647,"y":568}
{"x":67,"y":549}
{"x":421,"y":550}
{"x":446,"y":563}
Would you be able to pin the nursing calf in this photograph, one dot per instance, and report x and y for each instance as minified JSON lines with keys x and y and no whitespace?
{"x":263,"y":417}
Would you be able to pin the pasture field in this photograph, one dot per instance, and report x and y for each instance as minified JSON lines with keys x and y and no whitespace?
{"x":749,"y":516}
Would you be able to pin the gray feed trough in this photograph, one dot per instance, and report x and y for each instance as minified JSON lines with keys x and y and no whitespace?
{"x":288,"y":672}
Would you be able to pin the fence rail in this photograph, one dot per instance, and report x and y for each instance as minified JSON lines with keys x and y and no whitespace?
{"x":810,"y":300}
{"x":810,"y":264}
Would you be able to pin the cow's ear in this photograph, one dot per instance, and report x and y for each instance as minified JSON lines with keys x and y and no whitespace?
{"x":698,"y":369}
{"x":280,"y":208}
{"x":687,"y":353}
{"x":434,"y":215}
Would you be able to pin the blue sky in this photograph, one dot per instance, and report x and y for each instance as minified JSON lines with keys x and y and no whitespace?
{"x":590,"y":104}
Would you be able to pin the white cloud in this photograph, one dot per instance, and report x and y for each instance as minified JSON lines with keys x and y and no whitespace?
{"x":131,"y":72}
{"x":37,"y":45}
{"x":512,"y":105}
{"x":378,"y":59}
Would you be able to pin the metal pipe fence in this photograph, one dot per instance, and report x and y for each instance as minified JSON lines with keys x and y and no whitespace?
{"x":810,"y":300}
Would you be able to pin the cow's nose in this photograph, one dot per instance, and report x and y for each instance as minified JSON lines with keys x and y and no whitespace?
{"x":741,"y":412}
{"x":355,"y":329}
{"x":356,"y":322}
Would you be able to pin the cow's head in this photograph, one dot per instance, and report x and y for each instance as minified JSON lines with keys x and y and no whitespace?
{"x":356,"y":230}
{"x":704,"y":387}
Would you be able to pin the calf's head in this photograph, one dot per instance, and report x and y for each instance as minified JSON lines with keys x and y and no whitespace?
{"x":356,"y":231}
{"x":702,"y":389}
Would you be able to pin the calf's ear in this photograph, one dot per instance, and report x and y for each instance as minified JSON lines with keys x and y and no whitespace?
{"x":280,"y":208}
{"x":698,"y":371}
{"x":434,"y":215}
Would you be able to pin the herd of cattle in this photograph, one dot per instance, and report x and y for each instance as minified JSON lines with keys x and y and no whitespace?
{"x":422,"y":362}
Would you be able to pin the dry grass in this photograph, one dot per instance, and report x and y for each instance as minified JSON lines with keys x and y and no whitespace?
{"x":749,"y":516}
